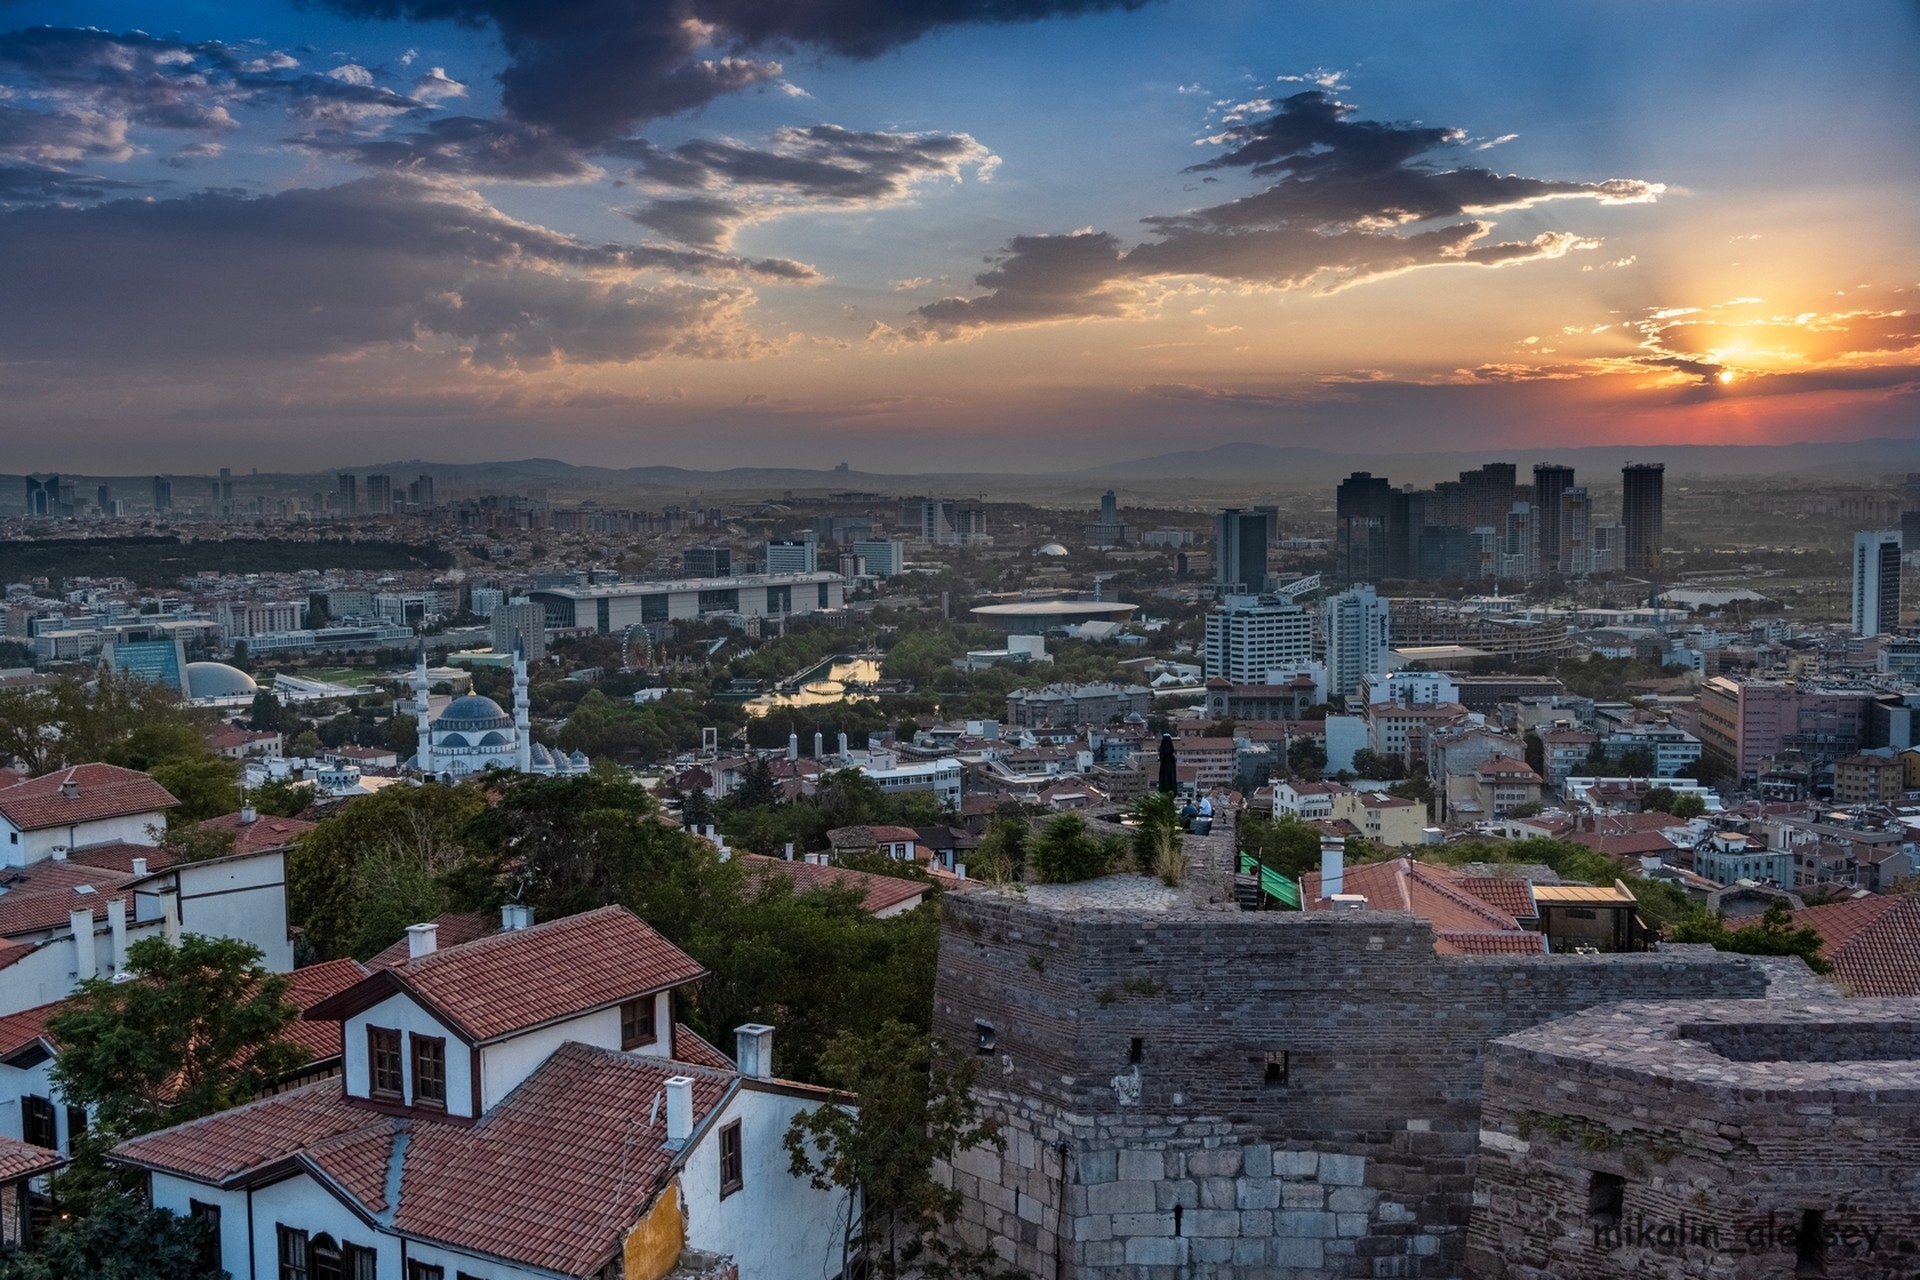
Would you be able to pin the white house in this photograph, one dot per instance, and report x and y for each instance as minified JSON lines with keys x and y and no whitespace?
{"x":519,"y":1107}
{"x":78,"y":807}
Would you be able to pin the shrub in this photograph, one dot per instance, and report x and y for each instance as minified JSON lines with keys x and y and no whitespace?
{"x":1065,"y":852}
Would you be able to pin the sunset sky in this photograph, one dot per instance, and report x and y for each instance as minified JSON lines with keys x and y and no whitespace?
{"x":962,"y":234}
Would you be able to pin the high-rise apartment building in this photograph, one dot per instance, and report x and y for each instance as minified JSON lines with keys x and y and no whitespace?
{"x":1363,"y":515}
{"x":1642,"y":515}
{"x":1519,"y":543}
{"x":1549,"y":483}
{"x":707,"y":562}
{"x":793,"y":555}
{"x":379,"y":495}
{"x":882,"y":557}
{"x":349,"y":501}
{"x":524,"y":620}
{"x":943,"y":521}
{"x":420,"y":491}
{"x":1356,"y":638}
{"x":1240,"y":550}
{"x":1575,"y":525}
{"x":1876,"y":582}
{"x":1250,"y":635}
{"x":162,"y":494}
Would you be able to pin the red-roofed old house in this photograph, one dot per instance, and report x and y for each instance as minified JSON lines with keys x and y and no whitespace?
{"x":519,"y":1107}
{"x":882,"y":896}
{"x":1873,"y":943}
{"x":85,"y":804}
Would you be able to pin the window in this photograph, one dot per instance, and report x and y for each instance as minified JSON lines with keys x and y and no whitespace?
{"x":37,"y":1123}
{"x":1277,"y":1066}
{"x":383,"y":1062}
{"x":730,"y":1168}
{"x":1136,"y":1050}
{"x":360,"y":1262}
{"x":636,"y":1023}
{"x":1606,"y":1198}
{"x":425,"y":1271}
{"x":76,"y":1126}
{"x":429,"y":1071}
{"x":294,"y":1258}
{"x":199,"y":1212}
{"x":983,"y":1035}
{"x":326,"y":1258}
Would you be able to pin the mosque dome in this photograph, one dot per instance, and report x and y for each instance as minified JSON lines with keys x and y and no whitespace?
{"x":218,"y":680}
{"x":472,"y":713}
{"x":494,"y":738}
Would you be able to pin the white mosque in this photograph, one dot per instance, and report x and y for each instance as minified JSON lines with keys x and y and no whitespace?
{"x":473,"y":734}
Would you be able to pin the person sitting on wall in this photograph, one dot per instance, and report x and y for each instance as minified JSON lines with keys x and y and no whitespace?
{"x":1202,"y":823}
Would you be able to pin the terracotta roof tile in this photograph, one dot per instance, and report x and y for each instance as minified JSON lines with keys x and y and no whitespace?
{"x":690,"y":1046}
{"x":119,"y":856}
{"x":99,"y":791}
{"x":228,"y":1143}
{"x":18,"y":1030}
{"x":264,"y":832}
{"x":1461,"y":943}
{"x":522,"y":978}
{"x":1509,"y":894}
{"x":19,"y":1161}
{"x":878,"y":892}
{"x":1418,"y":889}
{"x":455,"y":928}
{"x":308,"y":987}
{"x":46,"y":894}
{"x":1873,"y":943}
{"x":12,"y":953}
{"x":358,"y":1162}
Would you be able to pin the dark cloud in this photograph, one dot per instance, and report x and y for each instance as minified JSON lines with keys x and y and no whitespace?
{"x":1348,"y":205}
{"x":800,"y":170}
{"x":223,"y":280}
{"x":593,"y":69}
{"x":33,"y":183}
{"x":463,"y":147}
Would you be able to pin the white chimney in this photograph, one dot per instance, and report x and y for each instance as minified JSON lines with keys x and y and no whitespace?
{"x":85,"y":961}
{"x":679,"y":1111}
{"x":248,"y":815}
{"x":753,"y":1050}
{"x":1349,"y":901}
{"x":170,"y":915}
{"x":789,"y":851}
{"x":1333,"y":865}
{"x":139,"y":866}
{"x":421,"y":940}
{"x":959,"y":871}
{"x":59,"y":853}
{"x":515,"y":916}
{"x":70,"y":790}
{"x":117,"y":924}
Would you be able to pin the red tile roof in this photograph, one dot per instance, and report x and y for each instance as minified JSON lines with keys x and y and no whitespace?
{"x":46,"y":894}
{"x":262,"y":833}
{"x":455,"y":928}
{"x":308,"y":987}
{"x":552,"y":1177}
{"x":1509,"y":894}
{"x":99,"y":791}
{"x":1461,"y":943}
{"x":119,"y":856}
{"x":518,"y":979}
{"x":11,"y":953}
{"x":18,"y":1161}
{"x":867,"y":837}
{"x":878,"y":892}
{"x":1873,"y":943}
{"x":1459,"y":917}
{"x":18,"y":1030}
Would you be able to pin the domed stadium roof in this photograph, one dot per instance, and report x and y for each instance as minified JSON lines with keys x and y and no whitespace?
{"x":218,"y":680}
{"x":1052,"y":549}
{"x":473,"y":713}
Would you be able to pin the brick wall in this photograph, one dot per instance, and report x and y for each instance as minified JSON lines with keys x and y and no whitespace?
{"x":1210,"y":1093}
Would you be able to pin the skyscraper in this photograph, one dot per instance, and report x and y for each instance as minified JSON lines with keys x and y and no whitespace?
{"x":1642,"y":514}
{"x":1356,"y":638}
{"x":1109,"y":508}
{"x":1240,"y":550}
{"x":1250,"y":635}
{"x":349,"y":503}
{"x":1363,"y":511}
{"x":162,"y":494}
{"x":420,"y":491}
{"x":1876,"y":582}
{"x":1549,"y":482}
{"x":379,"y":495}
{"x":43,"y":496}
{"x":1576,"y":520}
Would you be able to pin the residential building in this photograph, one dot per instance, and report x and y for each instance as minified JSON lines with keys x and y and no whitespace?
{"x":1642,"y":515}
{"x":1876,"y":582}
{"x":240,"y":619}
{"x":1550,"y":485}
{"x":898,"y":843}
{"x":1357,"y":638}
{"x":1077,"y":705}
{"x":482,"y":601}
{"x":1493,"y":789}
{"x":1364,"y":528}
{"x":1869,"y":779}
{"x":1728,"y":856}
{"x":162,"y":495}
{"x":1248,"y":636}
{"x":609,"y":608}
{"x":522,"y":623}
{"x":883,"y":897}
{"x":517,"y":1107}
{"x":944,"y":522}
{"x":1674,"y":751}
{"x":1307,"y":801}
{"x":882,"y":557}
{"x":1382,"y":818}
{"x":1240,"y":550}
{"x":944,"y":777}
{"x":79,"y":807}
{"x":379,"y":495}
{"x":1212,"y":760}
{"x":347,"y":503}
{"x":1873,"y":943}
{"x":1576,"y":533}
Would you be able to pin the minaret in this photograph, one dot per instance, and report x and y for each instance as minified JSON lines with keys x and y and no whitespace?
{"x":425,"y":758}
{"x":522,"y":728}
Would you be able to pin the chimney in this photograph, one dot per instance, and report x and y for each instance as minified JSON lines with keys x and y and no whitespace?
{"x":139,"y":867}
{"x":421,"y":940}
{"x":248,"y":815}
{"x":117,"y":923}
{"x":59,"y":853}
{"x":959,"y":871}
{"x":170,"y":915}
{"x":69,"y":790}
{"x":753,"y":1050}
{"x":1349,"y":902}
{"x":789,"y":851}
{"x":1333,"y":862}
{"x":515,"y":916}
{"x":679,"y":1111}
{"x":85,"y":961}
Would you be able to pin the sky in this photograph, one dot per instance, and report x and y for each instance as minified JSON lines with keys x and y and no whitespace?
{"x":974,"y":235}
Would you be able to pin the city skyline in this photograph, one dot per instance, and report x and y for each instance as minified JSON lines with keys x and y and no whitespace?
{"x":716,"y":235}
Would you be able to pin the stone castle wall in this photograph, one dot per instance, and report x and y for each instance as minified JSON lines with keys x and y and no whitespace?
{"x":1204,"y":1095}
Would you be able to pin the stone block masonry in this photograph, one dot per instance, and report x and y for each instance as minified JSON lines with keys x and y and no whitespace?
{"x":1714,"y":1140}
{"x":1216,"y":1095}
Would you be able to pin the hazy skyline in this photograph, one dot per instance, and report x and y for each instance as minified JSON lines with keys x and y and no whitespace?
{"x":718,"y":233}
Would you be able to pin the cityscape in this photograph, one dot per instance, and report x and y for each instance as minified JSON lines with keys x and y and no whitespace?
{"x":1043,"y":641}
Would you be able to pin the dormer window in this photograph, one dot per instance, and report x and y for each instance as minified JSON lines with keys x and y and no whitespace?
{"x":429,"y":1071}
{"x":636,"y":1023}
{"x":383,"y":1064}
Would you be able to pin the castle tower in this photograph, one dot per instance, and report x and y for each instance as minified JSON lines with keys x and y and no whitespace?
{"x":424,"y":760}
{"x":522,"y":726}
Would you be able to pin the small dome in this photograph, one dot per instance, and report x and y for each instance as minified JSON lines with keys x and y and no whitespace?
{"x":493,"y":738}
{"x":218,"y":680}
{"x":1052,"y":549}
{"x":454,"y":740}
{"x":473,"y":713}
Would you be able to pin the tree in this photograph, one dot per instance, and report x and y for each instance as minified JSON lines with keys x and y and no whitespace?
{"x":242,"y":657}
{"x":1002,"y":855}
{"x":1636,"y":762}
{"x":402,"y":735}
{"x":1065,"y":852}
{"x":278,"y":798}
{"x":121,"y":1239}
{"x":900,"y":1105}
{"x":757,"y":789}
{"x":1156,"y":837}
{"x":205,"y":785}
{"x":1773,"y":935}
{"x":267,"y":714}
{"x":198,"y":1030}
{"x":1286,"y":845}
{"x":1536,"y":752}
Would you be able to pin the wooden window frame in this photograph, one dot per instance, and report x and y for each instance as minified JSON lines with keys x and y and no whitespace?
{"x":416,"y":1043}
{"x":732,"y":1160}
{"x":417,"y":1270}
{"x":634,"y":1032}
{"x":202,"y":1211}
{"x":38,"y":1119}
{"x":388,"y":1038}
{"x":359,"y":1262}
{"x":290,"y":1269}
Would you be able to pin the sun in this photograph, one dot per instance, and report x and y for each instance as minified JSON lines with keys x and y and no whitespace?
{"x":1726,"y":376}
